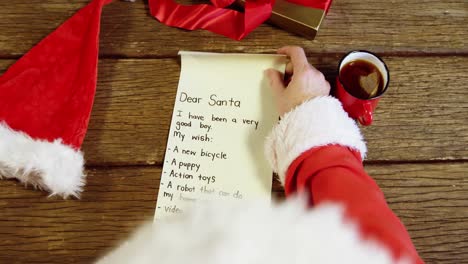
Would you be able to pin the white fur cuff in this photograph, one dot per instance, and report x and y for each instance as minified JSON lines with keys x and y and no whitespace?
{"x":52,"y":166}
{"x":318,"y":122}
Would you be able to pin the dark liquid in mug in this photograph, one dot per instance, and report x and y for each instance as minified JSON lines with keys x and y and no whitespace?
{"x":362,"y":79}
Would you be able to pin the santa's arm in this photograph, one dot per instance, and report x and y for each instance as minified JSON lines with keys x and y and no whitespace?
{"x":316,"y":148}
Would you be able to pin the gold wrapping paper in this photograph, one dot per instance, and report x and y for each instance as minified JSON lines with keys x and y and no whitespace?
{"x":304,"y":21}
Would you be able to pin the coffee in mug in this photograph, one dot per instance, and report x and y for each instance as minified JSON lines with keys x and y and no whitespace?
{"x":362,"y":79}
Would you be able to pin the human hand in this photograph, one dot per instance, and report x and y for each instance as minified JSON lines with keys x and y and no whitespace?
{"x":306,"y":81}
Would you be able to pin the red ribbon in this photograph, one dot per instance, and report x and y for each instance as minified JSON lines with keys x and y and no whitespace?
{"x":217,"y":19}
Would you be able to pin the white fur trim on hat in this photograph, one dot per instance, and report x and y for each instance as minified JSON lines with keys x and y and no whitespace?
{"x":318,"y":122}
{"x":252,"y":232}
{"x":51,"y":166}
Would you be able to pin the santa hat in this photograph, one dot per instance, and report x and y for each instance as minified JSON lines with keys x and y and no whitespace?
{"x":45,"y":104}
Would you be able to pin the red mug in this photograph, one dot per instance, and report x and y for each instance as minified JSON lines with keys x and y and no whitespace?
{"x":361,"y":108}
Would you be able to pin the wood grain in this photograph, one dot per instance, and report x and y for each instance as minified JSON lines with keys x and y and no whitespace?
{"x":429,"y":198}
{"x":37,"y":229}
{"x":422,"y":117}
{"x":399,"y":26}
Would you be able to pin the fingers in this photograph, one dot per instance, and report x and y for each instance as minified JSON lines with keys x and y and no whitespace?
{"x":298,"y":58}
{"x":276,"y":81}
{"x":289,"y":68}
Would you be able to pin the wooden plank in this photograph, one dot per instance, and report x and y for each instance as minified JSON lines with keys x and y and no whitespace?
{"x":425,"y":105}
{"x":128,"y":30}
{"x":37,"y":229}
{"x":422,"y":117}
{"x":429,"y":198}
{"x":431,"y":201}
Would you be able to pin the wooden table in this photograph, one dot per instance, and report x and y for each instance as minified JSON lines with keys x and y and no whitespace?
{"x":418,"y":146}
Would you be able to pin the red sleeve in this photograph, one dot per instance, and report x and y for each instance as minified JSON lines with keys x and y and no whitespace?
{"x":336,"y":174}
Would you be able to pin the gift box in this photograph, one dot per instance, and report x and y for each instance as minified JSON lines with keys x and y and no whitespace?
{"x":295,"y":18}
{"x":299,"y":16}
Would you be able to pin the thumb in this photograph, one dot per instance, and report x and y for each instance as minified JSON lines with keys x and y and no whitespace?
{"x":276,"y":81}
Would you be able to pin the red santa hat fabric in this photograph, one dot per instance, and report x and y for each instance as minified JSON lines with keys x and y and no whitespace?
{"x":45,"y":104}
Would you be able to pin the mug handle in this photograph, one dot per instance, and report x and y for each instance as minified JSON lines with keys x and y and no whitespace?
{"x":366,"y":118}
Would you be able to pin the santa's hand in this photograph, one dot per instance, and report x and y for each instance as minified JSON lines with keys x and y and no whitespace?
{"x":306,"y":81}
